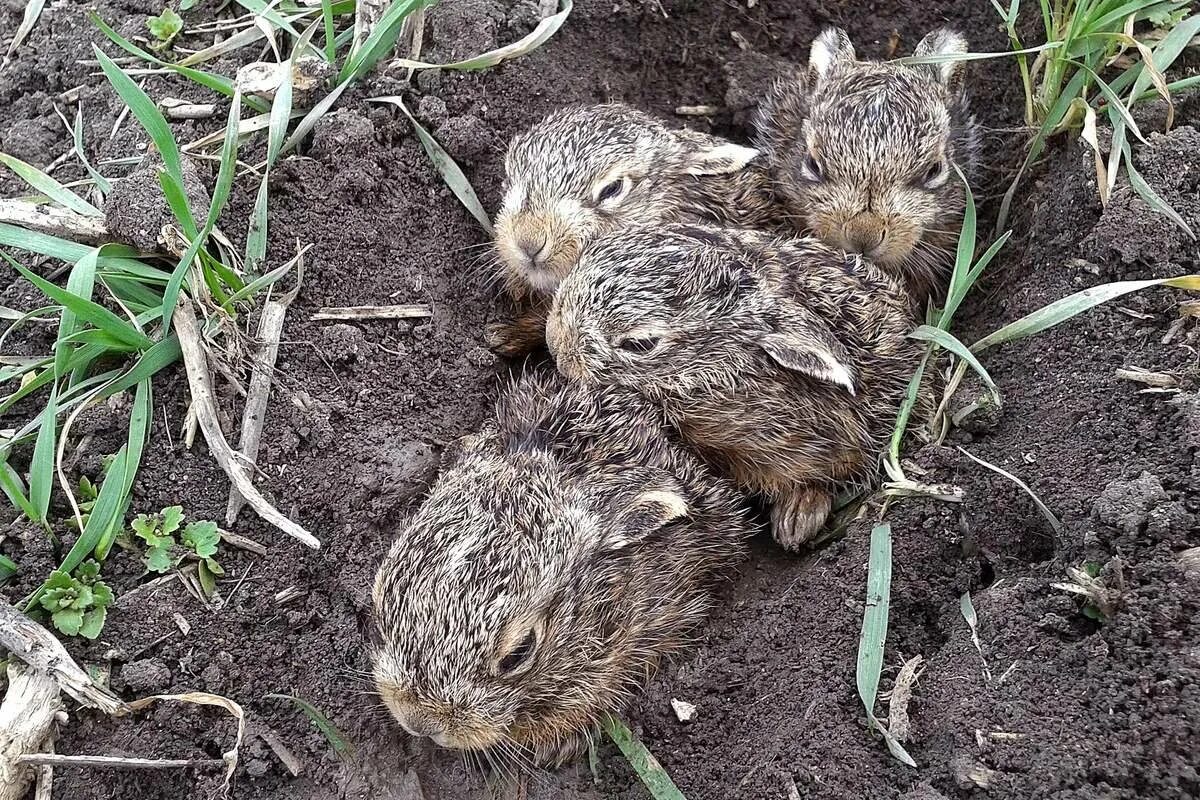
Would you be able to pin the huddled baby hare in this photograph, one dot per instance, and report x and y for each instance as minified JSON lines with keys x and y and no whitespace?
{"x":562,"y":553}
{"x":862,"y":154}
{"x":783,"y":361}
{"x":585,"y":171}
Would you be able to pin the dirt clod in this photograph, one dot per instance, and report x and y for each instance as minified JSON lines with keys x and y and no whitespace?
{"x":1126,"y":504}
{"x":136,"y":212}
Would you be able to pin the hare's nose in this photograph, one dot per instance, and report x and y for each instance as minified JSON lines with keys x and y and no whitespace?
{"x":535,"y":250}
{"x":865,"y":241}
{"x":422,"y":727}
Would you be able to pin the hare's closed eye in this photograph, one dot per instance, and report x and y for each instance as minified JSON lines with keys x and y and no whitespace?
{"x":810,"y":169}
{"x":519,"y":656}
{"x":612,"y":192}
{"x":638,"y":344}
{"x":935,"y":175}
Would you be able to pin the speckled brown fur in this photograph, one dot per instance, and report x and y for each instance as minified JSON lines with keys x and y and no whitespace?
{"x":783,"y":361}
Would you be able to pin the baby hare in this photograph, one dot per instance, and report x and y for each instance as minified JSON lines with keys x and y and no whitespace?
{"x":783,"y":362}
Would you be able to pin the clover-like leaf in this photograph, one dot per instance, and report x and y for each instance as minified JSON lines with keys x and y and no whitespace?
{"x":146,"y":528}
{"x":172,"y":518}
{"x":166,"y":26}
{"x":88,"y":572}
{"x":202,"y":538}
{"x":92,"y":622}
{"x":69,"y":621}
{"x":102,"y":596}
{"x":87,"y":490}
{"x":159,"y":559}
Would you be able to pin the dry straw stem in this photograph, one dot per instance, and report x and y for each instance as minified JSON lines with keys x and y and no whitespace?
{"x":117,"y":762}
{"x":270,"y":328}
{"x":372,"y":312}
{"x":38,"y":648}
{"x":54,"y":221}
{"x":26,"y":724}
{"x":203,"y":402}
{"x":898,"y":724}
{"x":229,"y":757}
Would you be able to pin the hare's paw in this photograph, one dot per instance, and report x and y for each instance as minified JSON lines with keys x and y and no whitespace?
{"x":508,"y":340}
{"x":797,"y":517}
{"x":558,"y":754}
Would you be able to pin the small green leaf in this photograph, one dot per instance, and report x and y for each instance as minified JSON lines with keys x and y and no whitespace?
{"x":208,"y":581}
{"x":69,"y":621}
{"x":146,"y":527}
{"x":88,"y":572}
{"x":93,"y":622}
{"x":214,"y":567}
{"x":166,"y":26}
{"x":172,"y":517}
{"x":159,"y":559}
{"x":202,"y":537}
{"x":102,"y":596}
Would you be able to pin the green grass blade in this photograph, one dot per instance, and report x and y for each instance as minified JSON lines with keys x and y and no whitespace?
{"x":218,"y":83}
{"x":330,"y":34}
{"x":1165,"y":54}
{"x":381,"y":40}
{"x":545,"y":29}
{"x":1152,"y":198}
{"x":33,"y":10}
{"x":874,"y":633}
{"x":948,"y":341}
{"x":903,"y":415}
{"x":450,"y":171}
{"x":178,"y":203}
{"x":80,"y":283}
{"x":340,"y":744}
{"x":147,"y":114}
{"x":1062,"y":310}
{"x":655,"y":778}
{"x":97,"y":315}
{"x":47,"y":245}
{"x":77,"y":135}
{"x":139,"y":424}
{"x":8,"y":568}
{"x":41,"y":466}
{"x":10,"y":481}
{"x":1046,"y":512}
{"x":875,"y":617}
{"x":50,"y":187}
{"x":220,"y":197}
{"x":150,"y":363}
{"x":319,"y":110}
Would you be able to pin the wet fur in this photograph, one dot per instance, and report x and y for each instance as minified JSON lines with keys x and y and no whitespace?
{"x":717,"y":294}
{"x":552,"y":171}
{"x":573,"y":510}
{"x":875,"y":128}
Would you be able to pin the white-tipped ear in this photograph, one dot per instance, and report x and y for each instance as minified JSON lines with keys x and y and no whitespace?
{"x":811,"y":355}
{"x":829,"y":50}
{"x":708,"y":155}
{"x":943,"y":42}
{"x":648,"y":512}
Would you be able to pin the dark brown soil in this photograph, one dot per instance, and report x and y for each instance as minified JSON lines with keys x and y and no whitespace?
{"x":1053,"y":704}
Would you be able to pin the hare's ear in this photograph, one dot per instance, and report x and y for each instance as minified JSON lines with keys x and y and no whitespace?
{"x":647,"y":512}
{"x":943,"y":42}
{"x":810,"y":348}
{"x":707,"y":155}
{"x":830,"y":50}
{"x":486,"y":440}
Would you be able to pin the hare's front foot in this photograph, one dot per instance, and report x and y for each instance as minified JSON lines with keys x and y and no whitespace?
{"x":519,"y":336}
{"x":796,"y":517}
{"x":556,"y":755}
